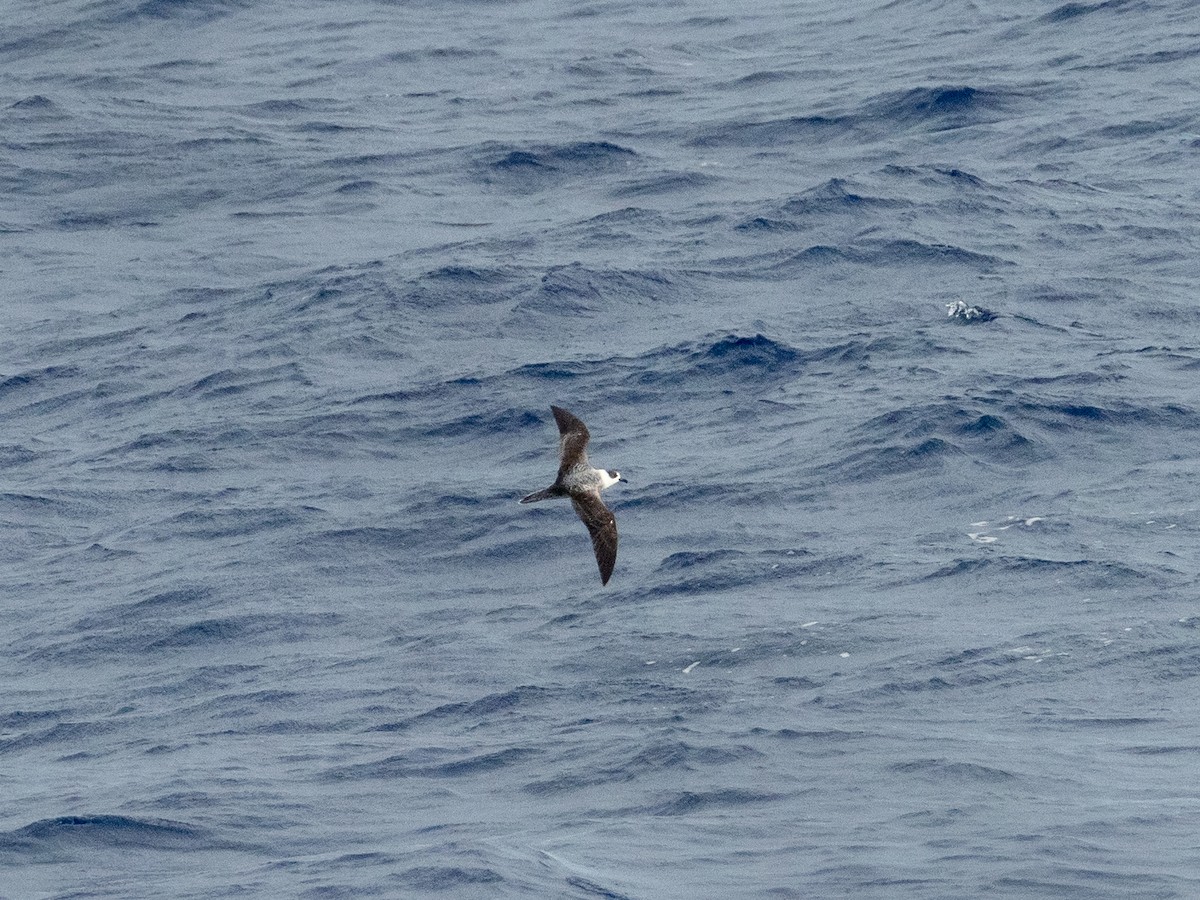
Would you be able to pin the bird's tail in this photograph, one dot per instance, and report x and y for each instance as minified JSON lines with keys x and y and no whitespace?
{"x":544,"y":494}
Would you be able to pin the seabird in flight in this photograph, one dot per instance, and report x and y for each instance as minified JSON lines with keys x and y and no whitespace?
{"x":583,"y":484}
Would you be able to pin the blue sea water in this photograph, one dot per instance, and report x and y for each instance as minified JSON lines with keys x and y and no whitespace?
{"x":888,"y":311}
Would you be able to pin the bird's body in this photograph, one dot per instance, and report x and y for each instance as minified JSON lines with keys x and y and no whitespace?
{"x":583,"y":484}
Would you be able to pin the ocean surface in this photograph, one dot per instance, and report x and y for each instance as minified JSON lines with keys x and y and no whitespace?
{"x":888,"y":311}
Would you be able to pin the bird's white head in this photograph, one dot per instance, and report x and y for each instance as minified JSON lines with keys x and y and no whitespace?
{"x":608,"y":478}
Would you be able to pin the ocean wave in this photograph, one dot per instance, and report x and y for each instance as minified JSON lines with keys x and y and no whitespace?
{"x":695,"y":366}
{"x":772,"y":132}
{"x":935,"y":108}
{"x":954,"y":771}
{"x":1070,"y":11}
{"x":666,"y":183}
{"x":905,"y":251}
{"x":1086,"y":573}
{"x":939,"y":107}
{"x":1072,"y":414}
{"x":447,"y":878}
{"x":539,"y":166}
{"x":469,"y":714}
{"x":202,"y":10}
{"x":687,"y":803}
{"x":111,"y":831}
{"x":575,"y":289}
{"x":432,"y":762}
{"x":835,"y":196}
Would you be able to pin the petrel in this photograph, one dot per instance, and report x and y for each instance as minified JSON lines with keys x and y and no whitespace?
{"x":583,"y":484}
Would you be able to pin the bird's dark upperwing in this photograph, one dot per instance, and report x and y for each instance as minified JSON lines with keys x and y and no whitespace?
{"x":572,"y":442}
{"x":602,"y":525}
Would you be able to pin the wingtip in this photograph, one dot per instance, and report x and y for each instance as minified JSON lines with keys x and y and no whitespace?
{"x":606,"y":571}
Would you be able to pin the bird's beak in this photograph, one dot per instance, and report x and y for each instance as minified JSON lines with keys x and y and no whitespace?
{"x":623,"y":480}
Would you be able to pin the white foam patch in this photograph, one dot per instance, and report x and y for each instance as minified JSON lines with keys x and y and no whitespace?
{"x":965,"y":312}
{"x":984,"y":531}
